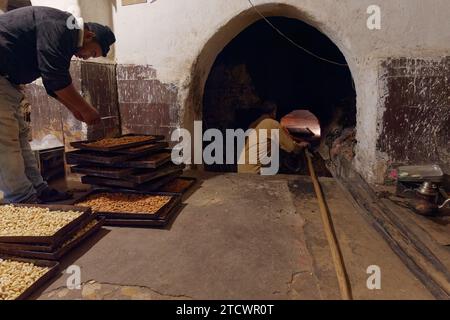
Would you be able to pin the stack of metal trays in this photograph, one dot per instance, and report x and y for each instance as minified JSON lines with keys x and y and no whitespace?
{"x":26,"y":243}
{"x":56,"y":246}
{"x":126,"y":208}
{"x":134,"y":162}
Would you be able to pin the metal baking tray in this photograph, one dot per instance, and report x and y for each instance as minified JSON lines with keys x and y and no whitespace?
{"x":82,"y":157}
{"x":152,"y":161}
{"x":157,"y":184}
{"x":130,"y":223}
{"x":146,"y":175}
{"x":46,"y":248}
{"x":134,"y":181}
{"x":59,"y":252}
{"x":419,"y":174}
{"x":160,"y":215}
{"x":111,"y":183}
{"x":84,"y":145}
{"x":54,"y":271}
{"x":182,"y":191}
{"x":144,"y":149}
{"x":59,"y":236}
{"x":103,"y":172}
{"x":152,"y":186}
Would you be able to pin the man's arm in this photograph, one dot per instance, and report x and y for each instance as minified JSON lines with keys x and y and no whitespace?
{"x":288,"y":144}
{"x":79,"y":107}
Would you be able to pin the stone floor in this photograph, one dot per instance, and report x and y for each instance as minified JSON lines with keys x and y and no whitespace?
{"x":239,"y":237}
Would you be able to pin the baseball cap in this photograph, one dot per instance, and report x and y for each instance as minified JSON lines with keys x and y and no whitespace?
{"x":103,"y":35}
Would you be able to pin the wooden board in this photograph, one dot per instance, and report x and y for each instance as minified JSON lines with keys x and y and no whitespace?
{"x":438,"y":228}
{"x":160,"y":215}
{"x":59,"y":236}
{"x":54,"y":270}
{"x":84,"y":145}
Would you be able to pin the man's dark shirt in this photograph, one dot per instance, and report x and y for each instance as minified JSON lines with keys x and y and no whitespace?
{"x":37,"y":42}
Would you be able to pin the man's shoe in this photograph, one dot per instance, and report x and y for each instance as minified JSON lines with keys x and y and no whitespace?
{"x":49,"y":195}
{"x":31,"y":200}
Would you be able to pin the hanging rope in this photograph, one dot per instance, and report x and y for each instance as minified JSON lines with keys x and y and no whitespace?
{"x":292,"y":41}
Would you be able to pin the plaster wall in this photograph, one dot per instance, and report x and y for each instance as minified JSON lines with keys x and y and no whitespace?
{"x":179,"y":41}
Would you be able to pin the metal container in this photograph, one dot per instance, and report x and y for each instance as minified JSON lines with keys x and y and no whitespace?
{"x":50,"y":162}
{"x":431,"y":173}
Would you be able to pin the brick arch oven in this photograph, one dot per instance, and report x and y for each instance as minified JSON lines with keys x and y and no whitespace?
{"x":247,"y":63}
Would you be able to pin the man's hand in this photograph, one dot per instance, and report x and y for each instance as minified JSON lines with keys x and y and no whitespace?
{"x":303,"y":145}
{"x":91,"y":116}
{"x":80,"y":108}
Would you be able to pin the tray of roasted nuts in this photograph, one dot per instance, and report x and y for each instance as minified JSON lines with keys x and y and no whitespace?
{"x":38,"y":224}
{"x":113,"y":144}
{"x":6,"y":247}
{"x":36,"y":252}
{"x":130,"y":205}
{"x":20,"y":278}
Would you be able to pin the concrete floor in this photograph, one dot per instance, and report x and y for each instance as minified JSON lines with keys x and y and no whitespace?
{"x":239,"y":237}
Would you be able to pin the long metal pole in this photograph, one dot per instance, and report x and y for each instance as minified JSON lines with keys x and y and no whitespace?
{"x":338,"y":260}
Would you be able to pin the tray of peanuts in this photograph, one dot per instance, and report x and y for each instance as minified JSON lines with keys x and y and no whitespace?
{"x":92,"y":226}
{"x":38,"y":224}
{"x":21,"y":278}
{"x":129,"y":205}
{"x":118,"y":143}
